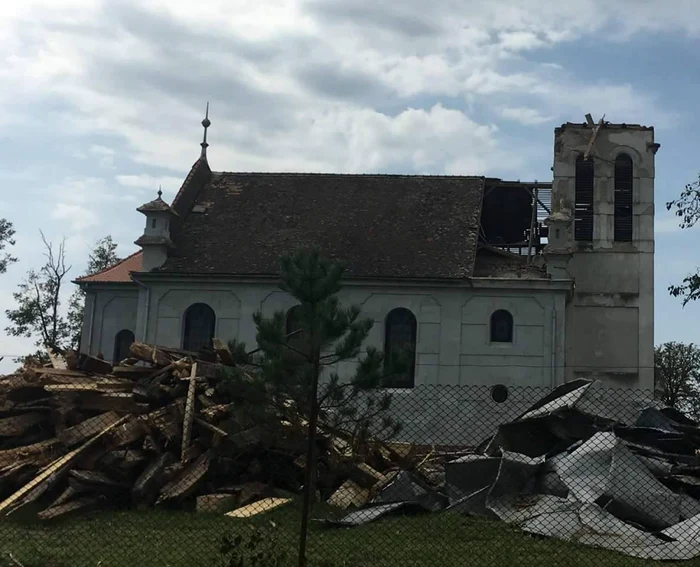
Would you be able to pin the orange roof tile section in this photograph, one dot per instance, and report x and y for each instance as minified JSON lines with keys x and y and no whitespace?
{"x":119,"y":272}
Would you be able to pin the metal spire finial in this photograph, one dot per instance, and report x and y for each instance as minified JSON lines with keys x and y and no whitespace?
{"x":160,"y":191}
{"x":206,"y":123}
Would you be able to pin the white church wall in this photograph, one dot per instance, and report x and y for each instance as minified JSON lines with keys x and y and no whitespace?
{"x":456,"y":364}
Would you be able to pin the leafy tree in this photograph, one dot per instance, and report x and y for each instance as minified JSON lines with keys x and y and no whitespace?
{"x":687,"y":208}
{"x":38,"y":311}
{"x":7,"y":232}
{"x":103,"y":256}
{"x":678,"y":376}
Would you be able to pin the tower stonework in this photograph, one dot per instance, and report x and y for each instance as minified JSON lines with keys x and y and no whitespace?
{"x":601,"y":235}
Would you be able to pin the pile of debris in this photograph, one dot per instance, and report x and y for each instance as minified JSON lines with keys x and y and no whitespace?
{"x":562,"y":472}
{"x":81,"y":434}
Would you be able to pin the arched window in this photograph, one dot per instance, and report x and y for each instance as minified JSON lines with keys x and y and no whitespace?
{"x":200,"y":323}
{"x":122,"y":342}
{"x":501,"y":327}
{"x":583,"y":207}
{"x":624,"y":175}
{"x":400,"y":348}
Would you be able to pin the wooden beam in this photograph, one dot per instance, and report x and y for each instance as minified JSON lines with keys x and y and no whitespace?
{"x":593,"y":137}
{"x":189,"y":412}
{"x":51,"y":474}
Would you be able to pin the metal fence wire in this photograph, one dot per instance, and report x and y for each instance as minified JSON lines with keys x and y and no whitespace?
{"x":165,"y":459}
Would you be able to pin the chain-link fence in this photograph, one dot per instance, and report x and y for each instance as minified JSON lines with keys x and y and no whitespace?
{"x":160,"y":461}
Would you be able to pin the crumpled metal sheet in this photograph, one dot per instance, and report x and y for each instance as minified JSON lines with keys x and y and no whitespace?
{"x":470,"y":474}
{"x":589,"y":524}
{"x":405,"y":488}
{"x":560,"y":472}
{"x":402,"y":494}
{"x":604,"y":471}
{"x":563,"y":397}
{"x":366,"y":515}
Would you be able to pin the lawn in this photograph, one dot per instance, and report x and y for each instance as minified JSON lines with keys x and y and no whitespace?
{"x":177,"y":539}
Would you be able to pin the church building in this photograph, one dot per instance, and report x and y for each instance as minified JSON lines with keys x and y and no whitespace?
{"x":501,"y":284}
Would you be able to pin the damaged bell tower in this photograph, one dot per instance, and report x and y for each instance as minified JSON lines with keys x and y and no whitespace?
{"x":601,"y":235}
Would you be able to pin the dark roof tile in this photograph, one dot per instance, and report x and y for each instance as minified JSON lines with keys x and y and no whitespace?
{"x":390,"y":226}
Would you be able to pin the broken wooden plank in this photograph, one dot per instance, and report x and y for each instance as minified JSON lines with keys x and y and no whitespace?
{"x":132,"y":372}
{"x":71,"y":359}
{"x":51,"y":474}
{"x":95,"y":480}
{"x":127,"y":433}
{"x":38,"y":453}
{"x":120,"y":402}
{"x":78,"y":433}
{"x":57,"y":361}
{"x":365,"y":475}
{"x":123,"y":462}
{"x":187,"y":481}
{"x":147,"y":353}
{"x":593,"y":137}
{"x":258,"y":507}
{"x":99,"y":387}
{"x":349,"y":494}
{"x":208,"y":369}
{"x":82,"y":504}
{"x":19,"y":424}
{"x":189,"y":412}
{"x":57,"y":372}
{"x":68,"y":494}
{"x":223,"y":352}
{"x":216,"y":412}
{"x":146,"y":485}
{"x":93,"y":365}
{"x":216,"y":502}
{"x":210,"y":427}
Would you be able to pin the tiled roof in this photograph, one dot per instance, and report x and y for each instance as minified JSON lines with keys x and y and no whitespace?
{"x":118,"y":273}
{"x":392,"y":226}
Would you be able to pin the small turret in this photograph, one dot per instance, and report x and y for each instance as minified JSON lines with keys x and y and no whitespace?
{"x":155,"y":240}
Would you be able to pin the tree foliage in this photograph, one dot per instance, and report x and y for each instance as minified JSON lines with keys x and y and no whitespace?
{"x":38,"y":311}
{"x":687,"y":208}
{"x":678,"y":376}
{"x":327,"y":335}
{"x":7,"y":232}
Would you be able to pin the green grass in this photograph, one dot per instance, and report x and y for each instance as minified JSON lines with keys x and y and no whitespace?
{"x":177,"y":539}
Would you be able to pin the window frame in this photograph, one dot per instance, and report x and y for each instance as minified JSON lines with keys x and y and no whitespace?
{"x":624,"y":233}
{"x":511,"y":330}
{"x":186,"y":323}
{"x":413,"y":322}
{"x":116,"y":345}
{"x":584,"y":199}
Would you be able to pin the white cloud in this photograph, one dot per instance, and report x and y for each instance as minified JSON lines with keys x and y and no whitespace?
{"x":525,"y":116}
{"x":169,"y":184}
{"x":295,"y":85}
{"x":77,"y":217}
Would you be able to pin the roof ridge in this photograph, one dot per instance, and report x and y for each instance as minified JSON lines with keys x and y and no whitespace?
{"x":332,"y":174}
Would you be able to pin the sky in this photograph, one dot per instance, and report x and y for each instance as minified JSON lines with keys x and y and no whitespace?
{"x":101,"y":104}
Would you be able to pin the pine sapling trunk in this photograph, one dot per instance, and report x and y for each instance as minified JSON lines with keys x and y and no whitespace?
{"x":310,"y":459}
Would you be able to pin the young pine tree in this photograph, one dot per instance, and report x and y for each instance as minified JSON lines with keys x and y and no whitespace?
{"x":299,"y":351}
